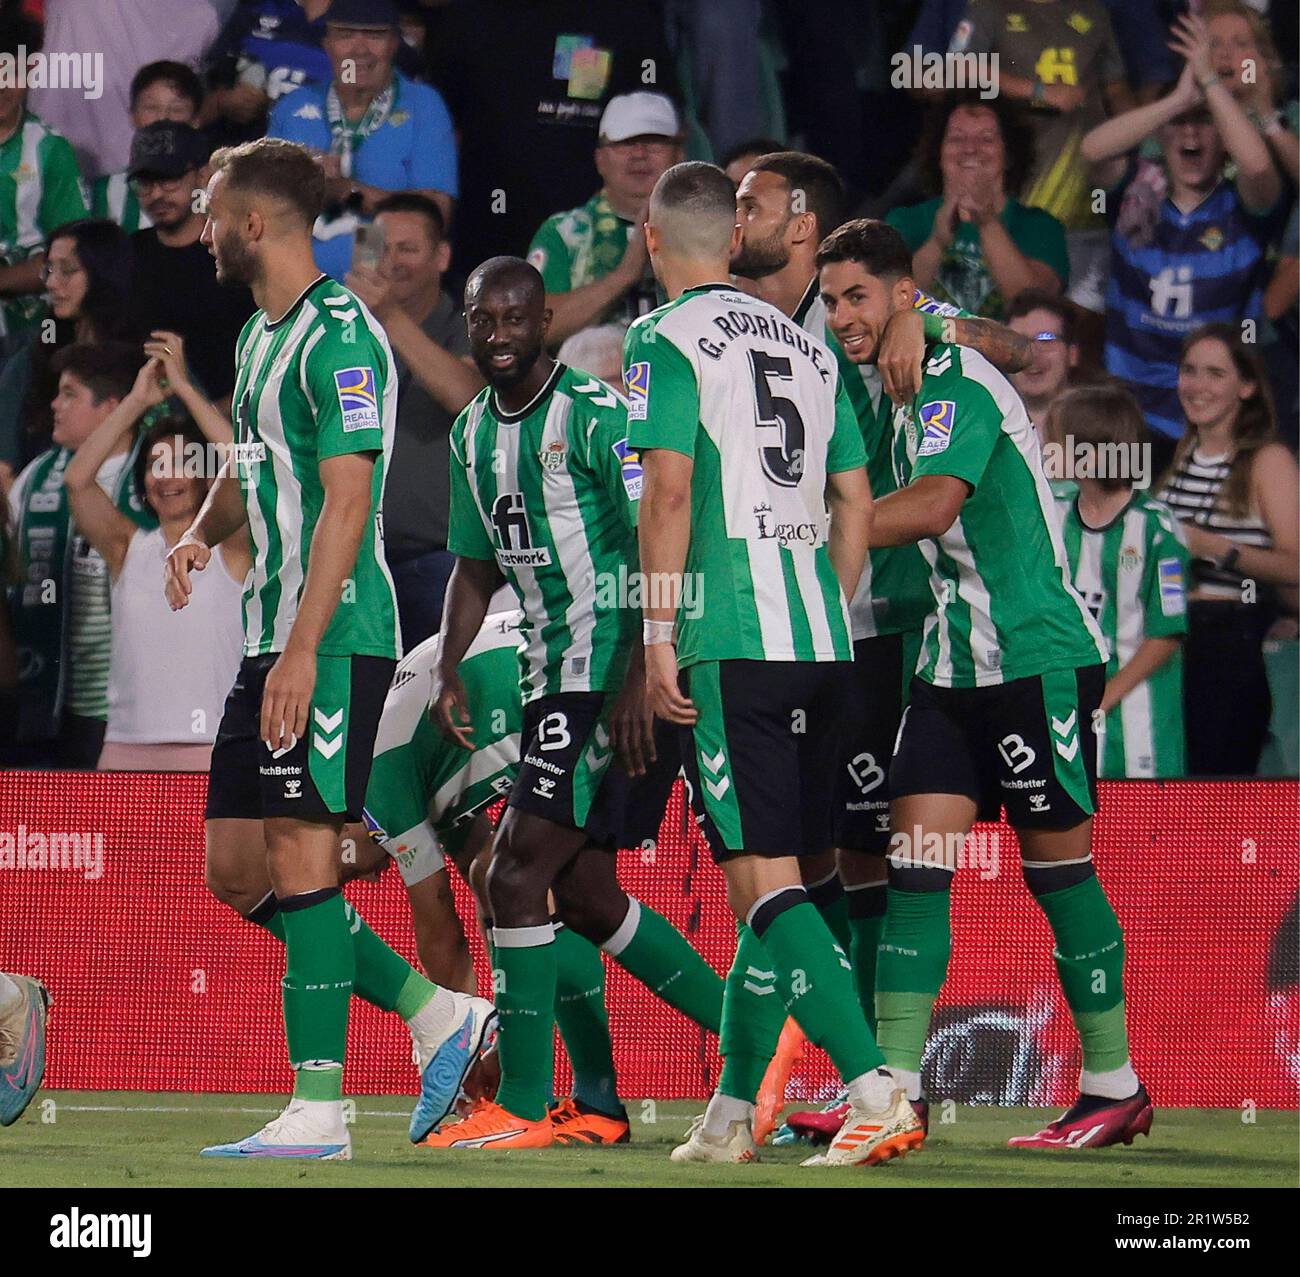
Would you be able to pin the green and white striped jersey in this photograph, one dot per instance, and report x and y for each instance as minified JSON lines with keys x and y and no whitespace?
{"x":424,"y":789}
{"x":893,"y":596}
{"x":551,"y":494}
{"x":1133,"y":575}
{"x":758,"y":404}
{"x":40,"y":188}
{"x":317,"y":383}
{"x":999,"y":575}
{"x":114,"y":197}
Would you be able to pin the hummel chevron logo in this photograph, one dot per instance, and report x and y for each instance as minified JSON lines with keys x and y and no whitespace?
{"x":598,"y":754}
{"x":594,"y":388}
{"x":327,"y":722}
{"x":715,"y":764}
{"x":1063,"y":728}
{"x":768,"y":979}
{"x":343,"y":316}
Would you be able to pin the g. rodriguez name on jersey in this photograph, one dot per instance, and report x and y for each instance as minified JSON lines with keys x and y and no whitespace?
{"x":736,"y":324}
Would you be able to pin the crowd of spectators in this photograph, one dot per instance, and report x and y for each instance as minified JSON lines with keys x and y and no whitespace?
{"x":1125,"y":198}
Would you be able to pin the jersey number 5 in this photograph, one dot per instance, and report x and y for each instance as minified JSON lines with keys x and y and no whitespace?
{"x":782,"y":460}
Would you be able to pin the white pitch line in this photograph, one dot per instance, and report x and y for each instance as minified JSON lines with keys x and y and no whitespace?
{"x":178,"y":1108}
{"x":158,"y":1108}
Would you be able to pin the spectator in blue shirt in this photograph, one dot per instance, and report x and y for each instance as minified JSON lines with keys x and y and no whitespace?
{"x":375,"y":131}
{"x":1189,"y":247}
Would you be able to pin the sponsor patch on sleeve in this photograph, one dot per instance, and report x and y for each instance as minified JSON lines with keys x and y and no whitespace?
{"x":358,"y":400}
{"x":1173,"y":591}
{"x":638,"y":391}
{"x":629,"y":461}
{"x":933,"y":306}
{"x":936,"y":426}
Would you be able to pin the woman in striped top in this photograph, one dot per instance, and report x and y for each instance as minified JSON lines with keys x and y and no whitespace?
{"x":1237,"y":493}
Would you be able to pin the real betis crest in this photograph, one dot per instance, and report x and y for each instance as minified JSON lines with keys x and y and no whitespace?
{"x":552,"y":456}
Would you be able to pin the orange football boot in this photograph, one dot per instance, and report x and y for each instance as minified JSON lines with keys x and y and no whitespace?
{"x":490,"y":1126}
{"x":771,"y":1094}
{"x":577,"y":1124}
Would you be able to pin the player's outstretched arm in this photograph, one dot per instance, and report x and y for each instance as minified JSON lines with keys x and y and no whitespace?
{"x":848,"y":498}
{"x":469,"y":595}
{"x":902,"y":347}
{"x":222,"y":514}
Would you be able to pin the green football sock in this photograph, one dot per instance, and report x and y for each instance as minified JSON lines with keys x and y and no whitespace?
{"x":383,"y":978}
{"x":866,"y":906}
{"x":663,"y":960}
{"x":823,"y":1001}
{"x":583,"y":1021}
{"x":318,"y":974}
{"x":911,"y":964}
{"x":525,"y":975}
{"x":752,"y":1019}
{"x":1089,"y":957}
{"x":832,"y":903}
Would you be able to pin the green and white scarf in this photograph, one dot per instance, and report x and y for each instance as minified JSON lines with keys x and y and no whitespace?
{"x":347,"y":137}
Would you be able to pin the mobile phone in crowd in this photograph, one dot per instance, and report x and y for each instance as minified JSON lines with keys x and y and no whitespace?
{"x":368,"y":246}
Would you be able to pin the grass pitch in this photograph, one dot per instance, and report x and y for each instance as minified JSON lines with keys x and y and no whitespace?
{"x":102,"y":1139}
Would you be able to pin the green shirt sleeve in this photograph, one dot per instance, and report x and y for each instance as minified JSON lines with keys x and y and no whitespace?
{"x":614,"y":462}
{"x":846,"y":451}
{"x":958,"y":423}
{"x":346,"y":384}
{"x":62,"y":199}
{"x":550,"y":254}
{"x":662,"y":393}
{"x":466,"y":535}
{"x":1041,"y":236}
{"x":1164,"y":585}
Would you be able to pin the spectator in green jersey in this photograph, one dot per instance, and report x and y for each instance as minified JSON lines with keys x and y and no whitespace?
{"x":40,"y":188}
{"x":1129,"y":562}
{"x":974,"y":243}
{"x":593,"y":259}
{"x":160,"y":91}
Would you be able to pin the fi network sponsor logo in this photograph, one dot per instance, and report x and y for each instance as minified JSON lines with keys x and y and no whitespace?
{"x":75,"y":1231}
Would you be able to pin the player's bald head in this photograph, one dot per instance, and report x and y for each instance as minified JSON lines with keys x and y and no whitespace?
{"x":507,"y":274}
{"x":693,"y":211}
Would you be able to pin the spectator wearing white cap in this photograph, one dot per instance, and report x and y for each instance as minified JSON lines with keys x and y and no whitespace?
{"x":593,"y":258}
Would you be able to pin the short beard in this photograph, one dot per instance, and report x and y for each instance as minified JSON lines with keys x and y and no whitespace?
{"x":757,"y":261}
{"x":500,"y":379}
{"x":237,"y":264}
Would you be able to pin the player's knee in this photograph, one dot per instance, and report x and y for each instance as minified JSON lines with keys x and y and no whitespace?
{"x":594,"y":916}
{"x":229,"y":888}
